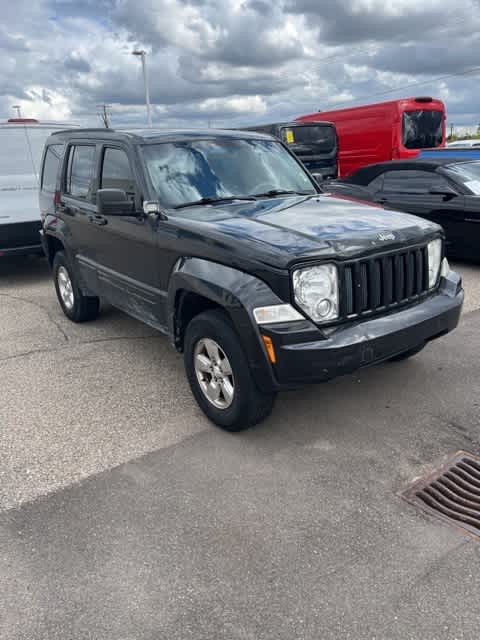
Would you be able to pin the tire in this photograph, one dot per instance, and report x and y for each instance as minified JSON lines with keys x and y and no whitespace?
{"x":408,"y":354}
{"x":76,"y":306}
{"x":247,"y":405}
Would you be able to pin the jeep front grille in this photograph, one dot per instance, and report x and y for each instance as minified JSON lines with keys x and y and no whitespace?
{"x":383,"y":282}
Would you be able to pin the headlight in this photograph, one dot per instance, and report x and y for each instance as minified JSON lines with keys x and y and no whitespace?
{"x":316,"y":291}
{"x":434,"y":261}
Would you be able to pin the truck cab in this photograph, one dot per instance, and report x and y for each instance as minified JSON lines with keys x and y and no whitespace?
{"x":314,"y":143}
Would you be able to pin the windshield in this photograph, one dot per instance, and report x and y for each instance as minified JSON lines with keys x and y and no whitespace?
{"x":468,"y":173}
{"x":422,"y":129}
{"x":183,"y":172}
{"x":21,"y":149}
{"x":322,"y":137}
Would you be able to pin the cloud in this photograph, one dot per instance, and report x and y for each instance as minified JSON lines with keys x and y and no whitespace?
{"x":232,"y":61}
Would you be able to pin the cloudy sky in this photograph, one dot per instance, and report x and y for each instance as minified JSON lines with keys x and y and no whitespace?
{"x":233,"y":62}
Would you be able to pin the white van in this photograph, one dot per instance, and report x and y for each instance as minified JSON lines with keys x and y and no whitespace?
{"x":21,"y":147}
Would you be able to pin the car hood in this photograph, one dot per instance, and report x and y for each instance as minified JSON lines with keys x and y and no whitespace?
{"x":18,"y":199}
{"x":281,"y":231}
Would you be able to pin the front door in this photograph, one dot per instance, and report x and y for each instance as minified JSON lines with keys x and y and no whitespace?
{"x":126,"y":246}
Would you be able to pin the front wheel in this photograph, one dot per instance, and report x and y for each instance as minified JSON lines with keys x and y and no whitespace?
{"x":219,"y":374}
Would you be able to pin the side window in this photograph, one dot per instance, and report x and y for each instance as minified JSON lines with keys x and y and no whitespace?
{"x":51,"y":163}
{"x":116,"y":172}
{"x":81,"y":164}
{"x":376,"y":184}
{"x":417,"y":182}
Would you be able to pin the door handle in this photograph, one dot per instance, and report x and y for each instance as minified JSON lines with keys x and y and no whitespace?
{"x":99,"y":220}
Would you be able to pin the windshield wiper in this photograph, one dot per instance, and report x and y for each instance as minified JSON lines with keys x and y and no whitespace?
{"x":282,"y":192}
{"x":212,"y":201}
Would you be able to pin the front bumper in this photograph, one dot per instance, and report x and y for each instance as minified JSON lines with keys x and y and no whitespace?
{"x":304,"y":357}
{"x":20,"y":238}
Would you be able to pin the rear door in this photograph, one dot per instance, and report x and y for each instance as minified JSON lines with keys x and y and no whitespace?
{"x":409,"y":191}
{"x":77,"y":206}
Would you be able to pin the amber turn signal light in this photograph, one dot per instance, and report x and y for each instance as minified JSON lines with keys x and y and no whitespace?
{"x":267,"y":341}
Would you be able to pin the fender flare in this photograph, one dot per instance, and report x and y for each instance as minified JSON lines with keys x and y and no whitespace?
{"x":238,"y":293}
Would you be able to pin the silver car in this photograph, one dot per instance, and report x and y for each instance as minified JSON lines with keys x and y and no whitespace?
{"x":21,"y":148}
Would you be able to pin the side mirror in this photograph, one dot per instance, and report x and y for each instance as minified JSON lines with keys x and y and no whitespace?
{"x":114,"y":202}
{"x":152,"y":209}
{"x":446,"y":191}
{"x":318,"y":177}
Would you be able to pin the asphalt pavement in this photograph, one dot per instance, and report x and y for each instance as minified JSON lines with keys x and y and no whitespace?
{"x":125,"y":515}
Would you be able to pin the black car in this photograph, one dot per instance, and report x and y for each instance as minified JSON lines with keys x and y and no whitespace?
{"x":225,"y":243}
{"x":314,"y":143}
{"x":443,"y":190}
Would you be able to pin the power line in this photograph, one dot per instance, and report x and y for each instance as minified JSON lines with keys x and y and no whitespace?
{"x":408,"y":86}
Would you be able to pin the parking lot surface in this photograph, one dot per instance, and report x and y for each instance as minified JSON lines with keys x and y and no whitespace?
{"x":126,"y":515}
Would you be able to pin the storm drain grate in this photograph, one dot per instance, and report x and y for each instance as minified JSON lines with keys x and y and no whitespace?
{"x":452,"y":493}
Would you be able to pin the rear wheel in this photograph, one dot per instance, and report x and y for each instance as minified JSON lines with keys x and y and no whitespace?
{"x":408,"y":354}
{"x":75,"y":305}
{"x":219,"y":374}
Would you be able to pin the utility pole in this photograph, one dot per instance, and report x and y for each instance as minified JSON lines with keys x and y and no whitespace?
{"x":18,"y":109}
{"x":104,"y":115}
{"x":451,"y":129}
{"x":142,"y":55}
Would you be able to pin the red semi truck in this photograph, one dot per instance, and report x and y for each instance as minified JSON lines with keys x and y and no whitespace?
{"x":385,"y":131}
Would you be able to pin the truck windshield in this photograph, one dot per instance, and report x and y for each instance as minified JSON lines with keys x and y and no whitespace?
{"x":215,"y":168}
{"x":422,"y":129}
{"x":322,"y":137}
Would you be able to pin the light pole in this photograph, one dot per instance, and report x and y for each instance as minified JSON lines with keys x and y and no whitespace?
{"x":142,"y":54}
{"x":18,"y":108}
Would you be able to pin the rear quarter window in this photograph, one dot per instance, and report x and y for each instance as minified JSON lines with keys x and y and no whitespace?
{"x":51,"y":164}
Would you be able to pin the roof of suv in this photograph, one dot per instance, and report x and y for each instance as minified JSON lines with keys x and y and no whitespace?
{"x":156,"y":135}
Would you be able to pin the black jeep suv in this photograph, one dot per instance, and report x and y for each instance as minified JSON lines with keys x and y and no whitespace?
{"x":224,"y":242}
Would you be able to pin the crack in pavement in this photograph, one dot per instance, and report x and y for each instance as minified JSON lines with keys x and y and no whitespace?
{"x":71,"y":344}
{"x":38,"y":306}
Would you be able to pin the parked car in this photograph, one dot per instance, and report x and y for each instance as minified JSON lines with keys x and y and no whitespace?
{"x":314,"y":143}
{"x":383,"y":131}
{"x":223,"y":241}
{"x":466,"y":153}
{"x":21,"y":145}
{"x":445,"y":191}
{"x":464,"y":144}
